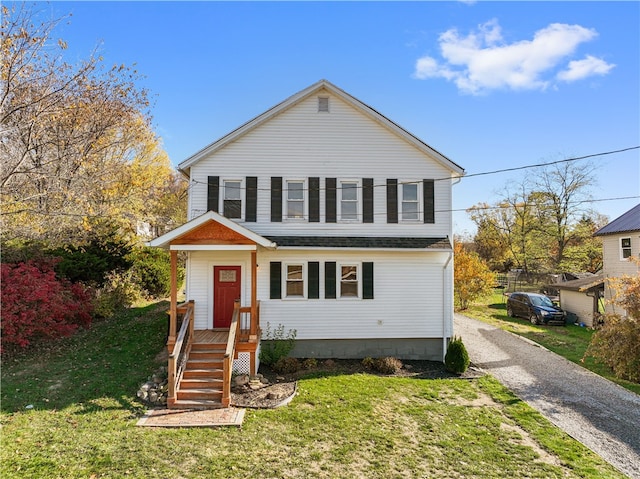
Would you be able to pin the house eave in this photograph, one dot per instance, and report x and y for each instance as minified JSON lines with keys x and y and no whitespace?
{"x":172,"y":238}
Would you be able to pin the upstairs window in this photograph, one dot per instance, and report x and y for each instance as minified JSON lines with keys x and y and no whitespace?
{"x":409,"y":207}
{"x":349,"y":200}
{"x":625,"y":248}
{"x":232,"y":204}
{"x":295,"y":199}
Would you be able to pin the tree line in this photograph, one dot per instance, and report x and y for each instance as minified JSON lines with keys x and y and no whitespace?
{"x":83,"y":172}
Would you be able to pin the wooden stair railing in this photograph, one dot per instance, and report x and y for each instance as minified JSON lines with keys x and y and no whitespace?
{"x":227,"y":364}
{"x":180,"y":354}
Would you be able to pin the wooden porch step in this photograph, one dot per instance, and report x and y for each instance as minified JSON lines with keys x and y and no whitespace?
{"x":201,"y":383}
{"x":214,"y":373}
{"x":199,"y":394}
{"x":196,"y":404}
{"x":204,"y":363}
{"x":199,"y":354}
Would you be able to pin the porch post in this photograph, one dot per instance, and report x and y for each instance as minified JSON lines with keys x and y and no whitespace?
{"x":254,"y":295}
{"x":173,"y":312}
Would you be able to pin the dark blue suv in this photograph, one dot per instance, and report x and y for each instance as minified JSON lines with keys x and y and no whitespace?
{"x":537,"y":308}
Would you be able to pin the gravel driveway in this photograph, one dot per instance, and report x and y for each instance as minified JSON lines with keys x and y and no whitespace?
{"x":600,"y":414}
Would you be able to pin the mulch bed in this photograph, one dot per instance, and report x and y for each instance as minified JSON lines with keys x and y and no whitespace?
{"x":279,"y":389}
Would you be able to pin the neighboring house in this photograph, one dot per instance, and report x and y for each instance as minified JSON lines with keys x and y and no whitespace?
{"x":325,"y":217}
{"x":620,"y":241}
{"x":581,"y":297}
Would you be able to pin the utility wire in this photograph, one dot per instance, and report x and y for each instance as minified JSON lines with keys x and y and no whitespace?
{"x":455,"y":177}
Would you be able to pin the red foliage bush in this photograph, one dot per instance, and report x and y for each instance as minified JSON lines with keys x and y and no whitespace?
{"x":37,"y":305}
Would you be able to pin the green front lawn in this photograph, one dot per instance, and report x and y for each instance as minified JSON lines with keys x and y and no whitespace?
{"x":71,"y":413}
{"x":570,"y":341}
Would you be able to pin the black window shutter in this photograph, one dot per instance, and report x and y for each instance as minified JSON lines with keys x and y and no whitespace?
{"x":367,"y":280}
{"x":213,"y":192}
{"x":367,"y":200}
{"x":330,"y":213}
{"x":392,"y":201}
{"x":428,"y":195}
{"x":314,"y":200}
{"x":276,"y":199}
{"x":251,"y":204}
{"x":275,"y":276}
{"x":313,"y":273}
{"x":330,"y":280}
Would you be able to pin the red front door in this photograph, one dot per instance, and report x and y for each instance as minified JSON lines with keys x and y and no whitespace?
{"x":226,"y":289}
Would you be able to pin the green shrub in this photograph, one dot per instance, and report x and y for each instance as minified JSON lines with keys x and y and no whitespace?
{"x":368,"y":363}
{"x":286,"y":365}
{"x":310,"y":363}
{"x":90,"y":262}
{"x":457,"y":359}
{"x":119,"y":291}
{"x":616,"y":345}
{"x":276,"y":344}
{"x":152,"y":271}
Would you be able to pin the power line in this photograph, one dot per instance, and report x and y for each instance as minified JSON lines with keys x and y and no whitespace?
{"x":449,"y":178}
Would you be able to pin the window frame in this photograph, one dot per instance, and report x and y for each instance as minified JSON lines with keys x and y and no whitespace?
{"x":358,"y":280}
{"x":418,"y":201}
{"x":358,"y":200}
{"x":223,"y":197}
{"x":305,"y":200}
{"x":625,"y":248}
{"x":324,"y":104}
{"x":286,"y":280}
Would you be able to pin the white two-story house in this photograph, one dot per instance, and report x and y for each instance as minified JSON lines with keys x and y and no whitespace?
{"x":325,"y":217}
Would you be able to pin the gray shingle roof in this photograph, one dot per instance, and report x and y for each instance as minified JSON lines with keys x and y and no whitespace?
{"x":630,"y":221}
{"x":361,"y":242}
{"x":582,"y":284}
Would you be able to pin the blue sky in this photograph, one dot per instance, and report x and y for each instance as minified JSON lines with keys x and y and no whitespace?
{"x":491,"y":85}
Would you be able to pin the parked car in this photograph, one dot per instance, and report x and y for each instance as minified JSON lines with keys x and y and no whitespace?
{"x":537,"y":308}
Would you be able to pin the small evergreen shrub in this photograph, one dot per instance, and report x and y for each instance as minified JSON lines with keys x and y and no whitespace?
{"x":286,"y":365}
{"x":276,"y":344}
{"x":152,"y":271}
{"x":457,"y":359}
{"x":368,"y":363}
{"x":310,"y":363}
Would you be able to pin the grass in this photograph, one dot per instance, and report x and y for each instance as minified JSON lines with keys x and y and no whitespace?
{"x":570,"y":341}
{"x":82,"y":414}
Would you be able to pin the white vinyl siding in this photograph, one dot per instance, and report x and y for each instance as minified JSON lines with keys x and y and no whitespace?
{"x":408,"y":303}
{"x":347,"y":145}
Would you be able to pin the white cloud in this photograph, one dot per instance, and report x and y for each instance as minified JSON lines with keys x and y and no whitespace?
{"x":579,"y":69}
{"x":482,"y":61}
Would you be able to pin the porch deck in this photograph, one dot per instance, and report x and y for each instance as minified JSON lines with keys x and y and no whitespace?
{"x":210,"y":336}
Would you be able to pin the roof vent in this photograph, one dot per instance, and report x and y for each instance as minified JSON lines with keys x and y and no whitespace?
{"x":323,"y":104}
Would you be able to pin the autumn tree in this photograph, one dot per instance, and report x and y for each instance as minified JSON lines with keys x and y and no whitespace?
{"x":539,"y":224}
{"x":472,"y":278}
{"x":616,"y":342}
{"x":76,"y":141}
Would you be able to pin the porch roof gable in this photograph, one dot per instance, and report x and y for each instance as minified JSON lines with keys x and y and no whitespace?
{"x":210,"y":226}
